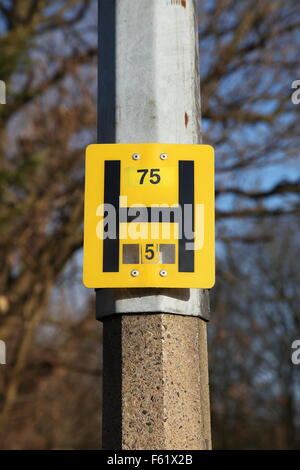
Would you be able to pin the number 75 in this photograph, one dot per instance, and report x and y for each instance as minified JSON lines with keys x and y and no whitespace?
{"x":154,"y":177}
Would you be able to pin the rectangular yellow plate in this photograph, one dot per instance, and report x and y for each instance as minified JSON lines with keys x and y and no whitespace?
{"x":149,"y":216}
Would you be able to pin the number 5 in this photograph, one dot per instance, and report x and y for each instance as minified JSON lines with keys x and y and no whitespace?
{"x":154,"y":176}
{"x":149,"y":252}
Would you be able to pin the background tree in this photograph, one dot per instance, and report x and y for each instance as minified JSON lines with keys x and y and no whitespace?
{"x":254,"y":384}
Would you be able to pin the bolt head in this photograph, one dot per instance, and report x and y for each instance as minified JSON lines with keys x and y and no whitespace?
{"x":136,"y":156}
{"x":163,"y":273}
{"x":163,"y":156}
{"x":135,"y":273}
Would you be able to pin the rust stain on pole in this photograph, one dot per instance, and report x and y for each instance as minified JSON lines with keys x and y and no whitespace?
{"x":186,"y":119}
{"x":179,"y":2}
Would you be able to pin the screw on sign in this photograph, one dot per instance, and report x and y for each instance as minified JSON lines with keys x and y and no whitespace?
{"x":149,"y":216}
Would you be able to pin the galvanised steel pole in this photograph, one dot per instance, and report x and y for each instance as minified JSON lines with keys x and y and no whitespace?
{"x":155,"y":391}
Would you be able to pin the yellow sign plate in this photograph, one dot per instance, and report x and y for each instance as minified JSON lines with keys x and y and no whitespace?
{"x":149,"y":216}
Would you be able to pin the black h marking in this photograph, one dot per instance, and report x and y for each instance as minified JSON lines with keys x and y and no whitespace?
{"x":111,"y":196}
{"x":186,"y":262}
{"x":112,"y":174}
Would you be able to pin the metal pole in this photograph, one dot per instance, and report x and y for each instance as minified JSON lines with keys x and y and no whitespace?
{"x":155,"y":391}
